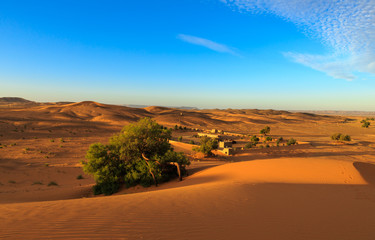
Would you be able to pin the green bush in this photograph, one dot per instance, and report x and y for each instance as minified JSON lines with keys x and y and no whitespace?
{"x":346,"y":138}
{"x":191,"y":142}
{"x":268,"y":139}
{"x":336,"y":136}
{"x":341,"y":137}
{"x":279,"y":140}
{"x":265,"y":130}
{"x":52,"y":183}
{"x":291,"y":141}
{"x":249,"y":145}
{"x":206,"y":146}
{"x":180,"y":139}
{"x":254,"y":139}
{"x":139,"y":154}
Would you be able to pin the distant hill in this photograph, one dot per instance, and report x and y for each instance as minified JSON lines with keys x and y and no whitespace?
{"x":17,"y":102}
{"x":338,"y":113}
{"x":145,"y":106}
{"x":14,"y":100}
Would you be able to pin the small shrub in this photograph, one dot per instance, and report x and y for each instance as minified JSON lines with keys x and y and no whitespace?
{"x":265,"y":130}
{"x":249,"y":145}
{"x":52,"y":140}
{"x":46,"y":164}
{"x":268,"y":139}
{"x":37,"y":183}
{"x":62,"y":140}
{"x":11,"y":181}
{"x":79,"y":177}
{"x":345,"y":138}
{"x":191,"y":142}
{"x":207,"y":145}
{"x":267,"y":146}
{"x":291,"y":141}
{"x":52,"y":183}
{"x":336,"y":136}
{"x":254,"y":139}
{"x":180,"y":138}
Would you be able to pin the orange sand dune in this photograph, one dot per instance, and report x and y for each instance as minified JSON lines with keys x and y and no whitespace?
{"x":318,"y":190}
{"x":267,"y":199}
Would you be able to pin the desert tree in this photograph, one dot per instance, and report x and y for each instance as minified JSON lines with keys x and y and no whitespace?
{"x":206,"y":146}
{"x":139,"y":154}
{"x":265,"y":130}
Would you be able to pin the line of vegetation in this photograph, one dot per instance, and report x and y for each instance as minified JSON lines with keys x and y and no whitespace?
{"x":341,"y":137}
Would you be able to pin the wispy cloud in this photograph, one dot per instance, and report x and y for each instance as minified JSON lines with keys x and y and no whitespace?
{"x":217,"y":47}
{"x":346,"y":27}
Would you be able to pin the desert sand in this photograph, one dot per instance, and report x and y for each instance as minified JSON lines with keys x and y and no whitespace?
{"x":319,"y":189}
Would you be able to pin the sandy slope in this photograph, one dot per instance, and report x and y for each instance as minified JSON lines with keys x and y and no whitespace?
{"x":268,"y":199}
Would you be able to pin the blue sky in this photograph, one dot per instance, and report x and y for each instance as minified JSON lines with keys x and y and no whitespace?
{"x":204,"y":53}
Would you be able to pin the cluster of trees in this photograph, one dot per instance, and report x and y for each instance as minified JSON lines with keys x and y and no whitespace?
{"x":254,"y":140}
{"x":341,"y":137}
{"x":139,"y":154}
{"x":176,"y":127}
{"x":366,"y":123}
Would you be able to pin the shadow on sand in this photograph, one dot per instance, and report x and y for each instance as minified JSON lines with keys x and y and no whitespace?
{"x":367,"y":171}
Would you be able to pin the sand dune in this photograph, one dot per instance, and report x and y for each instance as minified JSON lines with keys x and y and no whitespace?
{"x":267,"y":199}
{"x":316,"y":190}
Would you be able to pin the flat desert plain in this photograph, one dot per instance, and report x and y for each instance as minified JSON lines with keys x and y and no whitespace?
{"x":318,"y":189}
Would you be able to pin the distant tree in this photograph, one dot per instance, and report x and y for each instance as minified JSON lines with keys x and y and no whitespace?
{"x":279,"y":140}
{"x":139,"y":154}
{"x":291,"y":141}
{"x":336,"y":136}
{"x":250,"y":145}
{"x":345,"y":138}
{"x":254,"y":139}
{"x":180,"y":138}
{"x":175,"y":127}
{"x":206,"y":146}
{"x":265,"y":130}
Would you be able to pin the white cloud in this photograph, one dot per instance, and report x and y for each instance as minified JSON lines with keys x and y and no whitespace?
{"x":206,"y":43}
{"x":347,"y":27}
